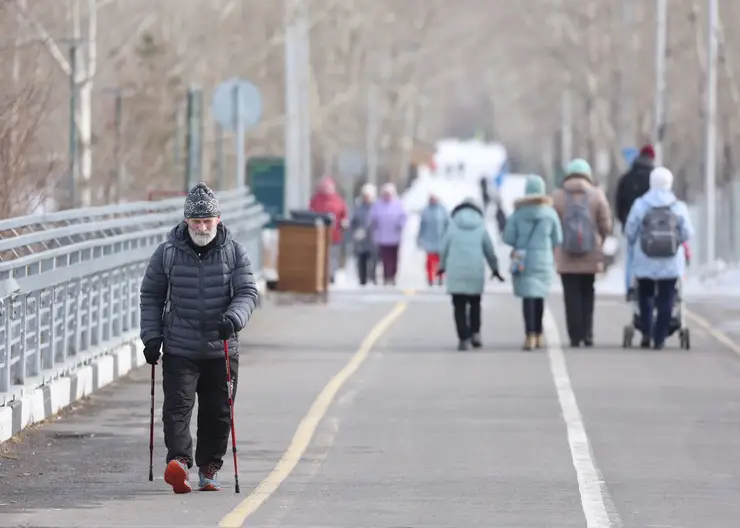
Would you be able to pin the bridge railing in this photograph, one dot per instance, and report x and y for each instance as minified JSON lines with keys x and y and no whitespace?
{"x":69,"y":281}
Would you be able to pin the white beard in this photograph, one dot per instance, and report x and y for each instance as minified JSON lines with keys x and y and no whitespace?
{"x":202,"y":239}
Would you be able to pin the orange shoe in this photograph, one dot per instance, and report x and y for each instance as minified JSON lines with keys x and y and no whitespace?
{"x":176,"y":475}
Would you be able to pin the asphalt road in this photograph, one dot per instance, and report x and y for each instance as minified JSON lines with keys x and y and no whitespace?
{"x":420,"y":435}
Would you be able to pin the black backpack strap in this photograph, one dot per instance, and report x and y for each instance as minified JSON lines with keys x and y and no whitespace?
{"x":168,"y":261}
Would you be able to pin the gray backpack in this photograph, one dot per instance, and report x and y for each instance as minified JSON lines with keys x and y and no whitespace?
{"x":659,"y":237}
{"x":579,"y":233}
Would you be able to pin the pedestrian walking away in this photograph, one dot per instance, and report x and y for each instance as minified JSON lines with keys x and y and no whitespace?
{"x":634,"y":183}
{"x":657,"y":227}
{"x":388,"y":219}
{"x":198,"y":291}
{"x":362,"y":236}
{"x":586,"y":221}
{"x":465,"y":250}
{"x":328,"y":201}
{"x":533,"y":231}
{"x":432,"y":226}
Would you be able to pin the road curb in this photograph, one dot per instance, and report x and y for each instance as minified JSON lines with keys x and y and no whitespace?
{"x":47,"y":400}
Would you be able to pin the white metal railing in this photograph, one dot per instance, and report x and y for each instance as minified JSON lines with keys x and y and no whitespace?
{"x":69,"y":281}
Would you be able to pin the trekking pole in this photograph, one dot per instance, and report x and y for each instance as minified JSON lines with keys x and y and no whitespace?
{"x":231,"y":415}
{"x":151,"y":431}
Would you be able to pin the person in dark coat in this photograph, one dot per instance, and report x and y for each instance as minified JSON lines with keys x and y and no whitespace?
{"x":360,"y":226}
{"x":634,"y":183}
{"x":198,"y":291}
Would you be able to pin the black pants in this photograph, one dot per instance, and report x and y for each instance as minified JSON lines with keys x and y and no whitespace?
{"x":578,"y":296}
{"x":366,"y":267}
{"x":533,"y":309}
{"x":658,"y":295}
{"x":182,"y":379}
{"x":467,"y":315}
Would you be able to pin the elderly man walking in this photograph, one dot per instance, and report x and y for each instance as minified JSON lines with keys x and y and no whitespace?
{"x":198,"y":291}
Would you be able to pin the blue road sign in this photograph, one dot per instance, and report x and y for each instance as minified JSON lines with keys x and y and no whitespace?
{"x":630,"y":154}
{"x":237,"y":102}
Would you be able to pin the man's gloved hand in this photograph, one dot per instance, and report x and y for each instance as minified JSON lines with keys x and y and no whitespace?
{"x":496,"y":275}
{"x":225,"y":328}
{"x":151,"y":351}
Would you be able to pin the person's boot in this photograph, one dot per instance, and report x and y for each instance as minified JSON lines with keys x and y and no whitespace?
{"x":208,"y":478}
{"x":463,"y":345}
{"x":588,"y":342}
{"x":176,"y":474}
{"x":539,"y":341}
{"x":529,"y":342}
{"x":645,"y":342}
{"x":475,"y":340}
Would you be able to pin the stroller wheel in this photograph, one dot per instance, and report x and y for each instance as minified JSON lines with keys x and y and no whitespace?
{"x":627,"y":336}
{"x":685,"y":338}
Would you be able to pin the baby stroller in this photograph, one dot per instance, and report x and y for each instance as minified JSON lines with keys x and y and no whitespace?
{"x":677,"y":322}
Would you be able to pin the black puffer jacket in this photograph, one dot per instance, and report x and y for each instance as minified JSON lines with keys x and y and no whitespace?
{"x":200,"y":295}
{"x":632,"y":185}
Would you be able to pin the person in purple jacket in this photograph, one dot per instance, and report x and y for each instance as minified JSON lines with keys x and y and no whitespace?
{"x":387,"y":220}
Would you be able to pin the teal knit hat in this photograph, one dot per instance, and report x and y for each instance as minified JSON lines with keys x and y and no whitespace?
{"x":579,"y":166}
{"x":535,"y":185}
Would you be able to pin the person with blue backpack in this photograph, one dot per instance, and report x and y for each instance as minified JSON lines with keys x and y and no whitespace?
{"x":586,"y":219}
{"x":658,"y":226}
{"x":533,"y":231}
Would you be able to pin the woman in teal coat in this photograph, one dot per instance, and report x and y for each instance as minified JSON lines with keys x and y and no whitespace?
{"x":534,"y":232}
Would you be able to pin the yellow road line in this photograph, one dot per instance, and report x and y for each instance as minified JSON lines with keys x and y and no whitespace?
{"x":717,"y":334}
{"x":307,"y":428}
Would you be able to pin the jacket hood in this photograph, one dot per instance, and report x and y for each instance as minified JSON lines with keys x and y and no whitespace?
{"x":659,"y":197}
{"x":179,"y":236}
{"x":576,"y":183}
{"x":579,"y":167}
{"x":467,"y":216}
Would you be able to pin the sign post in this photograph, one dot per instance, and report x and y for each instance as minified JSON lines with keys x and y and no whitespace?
{"x":237,"y":106}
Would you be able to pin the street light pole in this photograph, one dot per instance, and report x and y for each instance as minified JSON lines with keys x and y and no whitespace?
{"x":73,"y":159}
{"x":711,"y":132}
{"x":293,"y":191}
{"x":660,"y":68}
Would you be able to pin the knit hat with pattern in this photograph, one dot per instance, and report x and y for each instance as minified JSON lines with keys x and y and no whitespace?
{"x":201,"y":203}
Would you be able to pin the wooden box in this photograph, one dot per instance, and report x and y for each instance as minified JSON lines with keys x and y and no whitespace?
{"x":303,"y":256}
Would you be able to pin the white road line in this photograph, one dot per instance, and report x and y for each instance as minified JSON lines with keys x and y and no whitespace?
{"x":595,"y":502}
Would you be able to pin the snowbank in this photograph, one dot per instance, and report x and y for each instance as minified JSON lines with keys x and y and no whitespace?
{"x":715,"y":280}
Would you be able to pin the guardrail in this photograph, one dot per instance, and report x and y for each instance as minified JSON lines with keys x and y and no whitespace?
{"x":69,"y":281}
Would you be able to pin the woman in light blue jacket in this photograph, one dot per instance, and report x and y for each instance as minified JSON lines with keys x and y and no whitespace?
{"x":533,"y":231}
{"x":658,"y":258}
{"x":465,"y":250}
{"x":432,"y":226}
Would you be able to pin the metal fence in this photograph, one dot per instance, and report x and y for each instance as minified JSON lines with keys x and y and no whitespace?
{"x":69,"y":281}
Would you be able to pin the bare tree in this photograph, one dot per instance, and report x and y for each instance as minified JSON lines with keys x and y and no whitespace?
{"x":436,"y":68}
